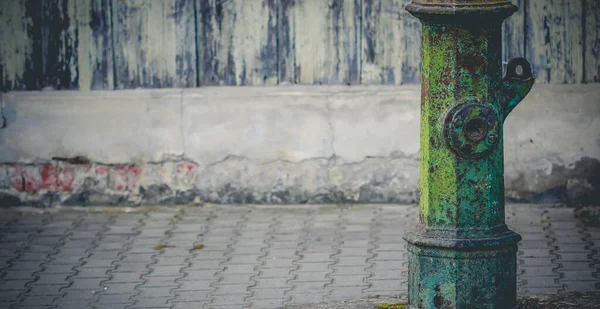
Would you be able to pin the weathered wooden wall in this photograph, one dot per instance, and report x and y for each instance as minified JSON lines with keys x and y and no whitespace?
{"x":118,"y":44}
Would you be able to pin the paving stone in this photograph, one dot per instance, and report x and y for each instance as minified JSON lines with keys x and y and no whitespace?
{"x":272,"y":293}
{"x":345,"y":293}
{"x":581,"y":286}
{"x":228,"y":300}
{"x":236,"y":279}
{"x":61,"y":303}
{"x":51,"y":279}
{"x":154,"y":302}
{"x":345,"y":281}
{"x":18,"y":275}
{"x":538,"y":271}
{"x":305,"y":298}
{"x":160,"y":281}
{"x":97,"y":263}
{"x":192,"y":296}
{"x":145,"y":292}
{"x":92,"y":272}
{"x":44,"y":300}
{"x":314,"y":267}
{"x":116,"y":277}
{"x":305,"y":287}
{"x":387,"y":285}
{"x":9,"y":296}
{"x":46,"y":289}
{"x":196,"y":286}
{"x":203,"y":275}
{"x":268,"y":303}
{"x":276,"y":263}
{"x":85,"y":284}
{"x":114,"y":298}
{"x":269,"y":283}
{"x":14,"y":284}
{"x":120,"y":288}
{"x":231,"y":289}
{"x":310,"y":277}
{"x":161,"y":271}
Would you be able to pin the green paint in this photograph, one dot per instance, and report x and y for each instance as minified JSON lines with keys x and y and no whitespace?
{"x":462,"y":255}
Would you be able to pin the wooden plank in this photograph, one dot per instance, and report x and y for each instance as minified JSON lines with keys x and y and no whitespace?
{"x":237,"y":42}
{"x":154,"y":43}
{"x":592,"y":41}
{"x":391,"y":43}
{"x":59,"y":44}
{"x":554,"y":41}
{"x":20,"y":44}
{"x":513,"y":33}
{"x":325,"y":35}
{"x":94,"y":49}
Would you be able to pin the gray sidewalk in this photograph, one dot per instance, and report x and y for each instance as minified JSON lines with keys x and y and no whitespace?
{"x":253,"y":256}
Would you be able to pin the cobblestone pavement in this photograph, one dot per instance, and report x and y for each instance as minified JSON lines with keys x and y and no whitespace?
{"x":253,"y":256}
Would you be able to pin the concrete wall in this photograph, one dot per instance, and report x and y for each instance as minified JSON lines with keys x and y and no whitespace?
{"x":286,"y":144}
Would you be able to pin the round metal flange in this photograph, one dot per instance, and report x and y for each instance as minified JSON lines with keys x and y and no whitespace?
{"x":471,"y":129}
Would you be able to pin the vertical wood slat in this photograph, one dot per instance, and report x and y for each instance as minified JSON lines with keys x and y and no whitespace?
{"x":513,"y":33}
{"x":592,"y":41}
{"x":20,"y":45}
{"x":237,"y":42}
{"x":154,"y":43}
{"x":391,"y":43}
{"x":554,"y":40}
{"x":323,"y":42}
{"x":77,"y":47}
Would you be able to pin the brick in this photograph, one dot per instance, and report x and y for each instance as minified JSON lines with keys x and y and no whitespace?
{"x":32,"y":178}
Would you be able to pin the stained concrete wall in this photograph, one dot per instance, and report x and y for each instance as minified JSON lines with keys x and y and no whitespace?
{"x":286,"y":144}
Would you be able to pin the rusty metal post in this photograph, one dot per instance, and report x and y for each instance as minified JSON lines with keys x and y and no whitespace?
{"x":462,"y":255}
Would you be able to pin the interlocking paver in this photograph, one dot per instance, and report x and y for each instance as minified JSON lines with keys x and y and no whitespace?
{"x":256,"y":256}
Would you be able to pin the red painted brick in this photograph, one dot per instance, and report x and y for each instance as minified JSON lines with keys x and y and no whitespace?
{"x":117,"y":178}
{"x":66,"y":176}
{"x":186,"y":168}
{"x":15,"y":177}
{"x":49,"y":174}
{"x":32,"y":178}
{"x":133,"y":176}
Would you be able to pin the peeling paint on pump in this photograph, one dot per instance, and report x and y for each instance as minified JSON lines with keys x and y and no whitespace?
{"x":462,"y":255}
